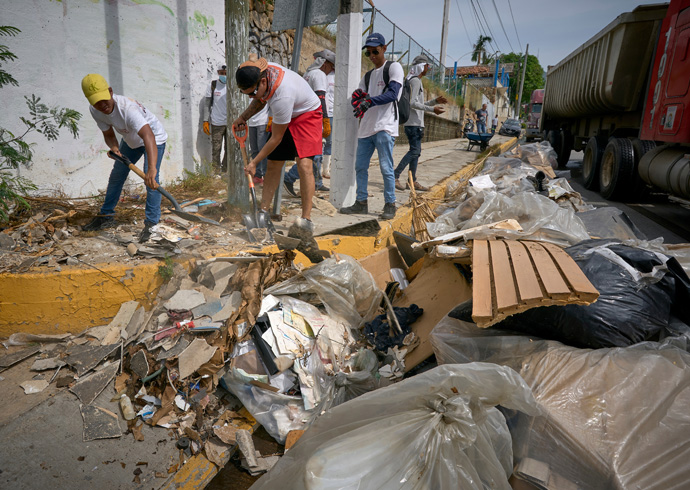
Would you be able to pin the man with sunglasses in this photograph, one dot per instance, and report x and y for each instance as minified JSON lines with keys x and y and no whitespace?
{"x":376,"y":105}
{"x":296,"y":132}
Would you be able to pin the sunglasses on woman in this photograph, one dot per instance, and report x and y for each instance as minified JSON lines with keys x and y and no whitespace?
{"x":368,"y":53}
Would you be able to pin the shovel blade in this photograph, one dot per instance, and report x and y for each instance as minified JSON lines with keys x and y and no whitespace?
{"x":250,"y":224}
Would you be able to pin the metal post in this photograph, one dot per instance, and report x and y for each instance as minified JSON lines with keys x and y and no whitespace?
{"x":237,"y":42}
{"x":522,"y":82}
{"x":294,"y":66}
{"x":444,"y":38}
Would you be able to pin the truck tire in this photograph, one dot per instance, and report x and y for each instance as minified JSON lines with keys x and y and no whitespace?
{"x":640,"y":147}
{"x":617,"y":172}
{"x":566,"y":148}
{"x":591,"y":163}
{"x":554,"y":139}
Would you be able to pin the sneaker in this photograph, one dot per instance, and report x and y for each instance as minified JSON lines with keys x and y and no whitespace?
{"x":399,"y":186}
{"x":388,"y":211}
{"x":290,"y":188}
{"x":100,"y":223}
{"x":145,"y":233}
{"x":359,"y":207}
{"x":303,"y":229}
{"x":420,"y":187}
{"x":322,"y":188}
{"x":258,"y":180}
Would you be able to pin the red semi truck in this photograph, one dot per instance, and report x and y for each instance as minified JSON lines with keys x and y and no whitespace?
{"x":622,"y":98}
{"x":536,"y":102}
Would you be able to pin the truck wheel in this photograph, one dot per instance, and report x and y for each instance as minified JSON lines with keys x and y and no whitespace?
{"x":591,"y":162}
{"x":616,"y":176}
{"x":566,"y":148}
{"x":554,"y":139}
{"x":640,"y":147}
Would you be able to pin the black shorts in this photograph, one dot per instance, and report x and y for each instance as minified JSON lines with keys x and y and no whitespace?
{"x":285,"y":150}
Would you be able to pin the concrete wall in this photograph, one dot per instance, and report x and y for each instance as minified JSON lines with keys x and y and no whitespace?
{"x":435,"y":129}
{"x":163,"y":53}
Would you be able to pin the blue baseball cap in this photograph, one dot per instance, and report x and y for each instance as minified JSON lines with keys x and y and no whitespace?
{"x":373,"y":40}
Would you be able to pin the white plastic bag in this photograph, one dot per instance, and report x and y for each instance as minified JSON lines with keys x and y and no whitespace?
{"x":437,"y":430}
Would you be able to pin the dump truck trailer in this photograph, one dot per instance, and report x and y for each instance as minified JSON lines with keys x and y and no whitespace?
{"x":622,"y":98}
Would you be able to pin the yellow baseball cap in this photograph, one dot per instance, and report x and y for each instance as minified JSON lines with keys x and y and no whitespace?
{"x":95,"y":88}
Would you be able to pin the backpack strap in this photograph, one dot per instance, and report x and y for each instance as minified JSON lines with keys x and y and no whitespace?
{"x":213,"y":89}
{"x":386,"y":80}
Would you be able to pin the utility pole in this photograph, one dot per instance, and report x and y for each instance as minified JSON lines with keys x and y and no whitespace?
{"x":236,"y":52}
{"x":444,"y":38}
{"x":348,"y":59}
{"x":522,"y":82}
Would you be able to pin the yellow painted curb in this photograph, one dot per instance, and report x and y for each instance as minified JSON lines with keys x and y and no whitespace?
{"x":75,"y":299}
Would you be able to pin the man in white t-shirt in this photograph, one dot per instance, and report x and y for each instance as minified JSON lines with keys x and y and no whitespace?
{"x":216,"y":104}
{"x":296,"y":131}
{"x":376,"y":103}
{"x":142,"y":134}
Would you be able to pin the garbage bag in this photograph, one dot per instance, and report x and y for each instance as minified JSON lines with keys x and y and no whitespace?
{"x":613,"y":418}
{"x":437,"y":430}
{"x":341,"y":284}
{"x":540,"y":154}
{"x":378,"y":331}
{"x":639,"y":291}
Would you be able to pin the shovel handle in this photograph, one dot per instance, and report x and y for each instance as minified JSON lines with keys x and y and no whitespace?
{"x":250,"y":180}
{"x":132,"y":167}
{"x":240,"y":139}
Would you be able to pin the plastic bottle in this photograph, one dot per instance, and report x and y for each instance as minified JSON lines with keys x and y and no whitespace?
{"x":127,"y":409}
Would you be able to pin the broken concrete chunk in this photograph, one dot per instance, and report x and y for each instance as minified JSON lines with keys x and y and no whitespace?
{"x":185,"y":299}
{"x":246,"y":445}
{"x":45,"y":364}
{"x":124,"y":315}
{"x":34,"y":386}
{"x":139,"y":364}
{"x":217,"y":453}
{"x":193,"y":357}
{"x":230,"y":305}
{"x":10,"y":359}
{"x":208,"y":309}
{"x":135,"y":326}
{"x":99,"y":423}
{"x":6,"y":242}
{"x":132,"y":249}
{"x":227,"y":433}
{"x":21,"y":338}
{"x":174,"y":351}
{"x":83,"y":358}
{"x":89,"y":388}
{"x":103,"y":332}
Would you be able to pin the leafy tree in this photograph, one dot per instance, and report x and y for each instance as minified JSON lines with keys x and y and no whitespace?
{"x":479,"y":48}
{"x":534,"y":75}
{"x":14,"y":150}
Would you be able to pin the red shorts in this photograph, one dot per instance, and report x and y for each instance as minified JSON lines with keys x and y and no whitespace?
{"x":306,"y":130}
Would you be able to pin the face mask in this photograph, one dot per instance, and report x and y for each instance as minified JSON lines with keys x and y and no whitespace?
{"x":222,"y":78}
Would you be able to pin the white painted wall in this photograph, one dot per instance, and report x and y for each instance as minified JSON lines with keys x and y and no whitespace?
{"x":163,"y":53}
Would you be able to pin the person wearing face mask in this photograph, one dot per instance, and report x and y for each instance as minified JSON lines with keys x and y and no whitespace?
{"x":142,"y":134}
{"x":216,"y":106}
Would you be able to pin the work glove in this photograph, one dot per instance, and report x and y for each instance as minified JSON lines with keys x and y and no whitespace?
{"x":269,"y":124}
{"x":207,"y":128}
{"x":326,"y":127}
{"x":362,"y":107}
{"x":357,"y":97}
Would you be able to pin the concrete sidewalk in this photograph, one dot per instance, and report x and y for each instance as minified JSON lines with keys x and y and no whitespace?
{"x":439,"y":160}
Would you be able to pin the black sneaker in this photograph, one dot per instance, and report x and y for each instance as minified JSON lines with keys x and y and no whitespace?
{"x":145,"y":233}
{"x":290,"y":188}
{"x":359,"y":207}
{"x":100,"y":223}
{"x":388,"y":211}
{"x":322,"y":188}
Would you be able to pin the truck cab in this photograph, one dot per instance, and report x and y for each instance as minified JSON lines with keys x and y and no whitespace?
{"x":534,"y":115}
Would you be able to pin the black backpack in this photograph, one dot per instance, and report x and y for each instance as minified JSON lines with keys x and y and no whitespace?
{"x":402,"y":107}
{"x":213,"y":89}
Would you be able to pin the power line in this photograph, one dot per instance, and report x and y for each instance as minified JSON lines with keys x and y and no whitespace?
{"x":516,"y":32}
{"x":501,"y":22}
{"x":463,"y":23}
{"x":488,"y":28}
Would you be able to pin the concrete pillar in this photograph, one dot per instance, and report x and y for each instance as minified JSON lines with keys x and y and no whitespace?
{"x":348,"y":60}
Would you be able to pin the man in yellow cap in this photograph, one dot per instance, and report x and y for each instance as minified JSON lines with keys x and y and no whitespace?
{"x":142,"y":134}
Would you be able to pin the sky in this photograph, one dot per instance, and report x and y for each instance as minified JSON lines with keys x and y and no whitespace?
{"x":553,"y":28}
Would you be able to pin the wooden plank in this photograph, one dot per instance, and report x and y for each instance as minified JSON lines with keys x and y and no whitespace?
{"x":576,"y":278}
{"x":527,"y":282}
{"x":550,"y":275}
{"x":481,"y":281}
{"x":502,"y":272}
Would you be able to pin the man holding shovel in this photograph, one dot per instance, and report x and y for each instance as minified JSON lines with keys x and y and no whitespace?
{"x":295,"y":132}
{"x":142,"y":134}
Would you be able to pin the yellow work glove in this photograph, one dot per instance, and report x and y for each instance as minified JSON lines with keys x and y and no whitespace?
{"x":326,"y":127}
{"x":207,"y":128}
{"x":268,"y":125}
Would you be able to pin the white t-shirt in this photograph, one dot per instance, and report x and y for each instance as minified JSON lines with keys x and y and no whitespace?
{"x":260,"y":118}
{"x":292,"y":98}
{"x":127,"y":118}
{"x":381,"y":117}
{"x":330,"y":93}
{"x":317,"y":80}
{"x":219,"y":109}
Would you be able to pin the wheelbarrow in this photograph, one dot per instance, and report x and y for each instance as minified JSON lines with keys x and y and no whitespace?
{"x":479,"y":139}
{"x":176,"y":209}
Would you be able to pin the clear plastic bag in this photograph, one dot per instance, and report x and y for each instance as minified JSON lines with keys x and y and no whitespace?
{"x":342,"y":285}
{"x":541,"y":154}
{"x":612,"y":418}
{"x":437,"y":430}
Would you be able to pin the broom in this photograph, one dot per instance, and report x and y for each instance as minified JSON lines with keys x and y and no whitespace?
{"x":421,"y":212}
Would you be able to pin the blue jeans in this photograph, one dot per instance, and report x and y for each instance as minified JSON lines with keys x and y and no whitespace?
{"x":292,"y":175}
{"x":257,"y":139}
{"x":383,"y":143}
{"x":117,"y":179}
{"x":414,"y":136}
{"x":481,"y":127}
{"x":326,"y":147}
